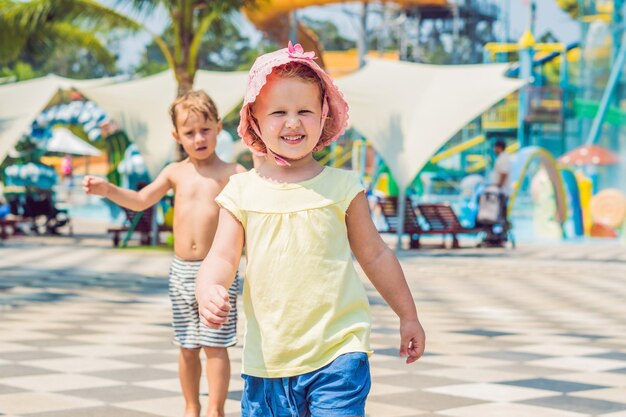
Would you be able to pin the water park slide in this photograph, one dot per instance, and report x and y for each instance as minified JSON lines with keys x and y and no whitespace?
{"x":589,"y":109}
{"x":272,"y":18}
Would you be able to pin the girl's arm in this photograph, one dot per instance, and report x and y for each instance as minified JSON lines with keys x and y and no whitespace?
{"x":383,"y":269}
{"x":217,"y":272}
{"x":134,"y":200}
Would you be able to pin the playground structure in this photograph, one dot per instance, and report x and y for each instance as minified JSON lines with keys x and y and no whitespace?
{"x":422,"y":21}
{"x":574,"y":97}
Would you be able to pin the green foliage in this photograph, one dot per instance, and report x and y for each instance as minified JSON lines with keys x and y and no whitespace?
{"x":64,"y":36}
{"x":223,"y":48}
{"x":329,"y":35}
{"x":19,"y":71}
{"x":190,"y":21}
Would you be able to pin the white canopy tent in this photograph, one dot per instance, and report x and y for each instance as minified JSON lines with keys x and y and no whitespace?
{"x":140,"y":107}
{"x":64,"y":141}
{"x":408,"y":111}
{"x":21,"y":102}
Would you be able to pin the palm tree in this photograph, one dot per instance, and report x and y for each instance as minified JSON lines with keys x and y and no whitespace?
{"x":36,"y":23}
{"x":29,"y":29}
{"x":190,"y":20}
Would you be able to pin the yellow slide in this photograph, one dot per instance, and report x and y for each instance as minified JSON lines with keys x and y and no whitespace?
{"x":272,"y":18}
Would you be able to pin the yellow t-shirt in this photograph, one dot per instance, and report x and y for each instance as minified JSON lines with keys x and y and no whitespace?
{"x":304,"y":302}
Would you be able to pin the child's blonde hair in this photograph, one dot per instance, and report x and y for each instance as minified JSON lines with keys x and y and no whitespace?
{"x":196,"y":101}
{"x":307,"y":74}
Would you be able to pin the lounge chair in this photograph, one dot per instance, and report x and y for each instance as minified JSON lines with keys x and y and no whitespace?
{"x":137,"y":222}
{"x":38,"y":208}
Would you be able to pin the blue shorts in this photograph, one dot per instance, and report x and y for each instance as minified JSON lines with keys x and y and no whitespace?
{"x":338,"y":389}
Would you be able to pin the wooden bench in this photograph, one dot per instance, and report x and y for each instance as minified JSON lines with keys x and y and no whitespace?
{"x":389,"y":208}
{"x":441,"y":219}
{"x":138,"y":222}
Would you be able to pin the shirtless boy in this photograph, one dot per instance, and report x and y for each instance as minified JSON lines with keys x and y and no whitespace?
{"x":196,"y":181}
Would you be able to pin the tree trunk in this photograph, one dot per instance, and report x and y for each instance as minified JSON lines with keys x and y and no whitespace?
{"x":185,"y":80}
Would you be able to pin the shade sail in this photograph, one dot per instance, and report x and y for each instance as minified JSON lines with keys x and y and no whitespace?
{"x":408,"y":111}
{"x":64,"y":141}
{"x":21,"y":102}
{"x":140,"y":107}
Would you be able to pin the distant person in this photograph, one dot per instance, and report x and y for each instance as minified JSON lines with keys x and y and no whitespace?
{"x":196,"y":181}
{"x":502,"y":168}
{"x":493,"y":202}
{"x":67,"y":170}
{"x":307,"y":314}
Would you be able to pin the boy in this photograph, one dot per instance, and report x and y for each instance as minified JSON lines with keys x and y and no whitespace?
{"x":196,"y":181}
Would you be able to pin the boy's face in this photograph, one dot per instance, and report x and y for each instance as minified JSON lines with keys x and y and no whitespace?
{"x":196,"y":134}
{"x":289,"y":111}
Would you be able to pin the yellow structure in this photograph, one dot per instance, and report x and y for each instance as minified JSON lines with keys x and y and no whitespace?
{"x":585,"y":191}
{"x":340,"y":63}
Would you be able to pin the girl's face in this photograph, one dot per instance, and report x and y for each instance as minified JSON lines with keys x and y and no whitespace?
{"x":289,"y":112}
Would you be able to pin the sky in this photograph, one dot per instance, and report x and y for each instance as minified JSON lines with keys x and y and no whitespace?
{"x":548,"y":17}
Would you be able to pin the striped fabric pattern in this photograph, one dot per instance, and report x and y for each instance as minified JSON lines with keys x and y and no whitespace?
{"x":189,"y":332}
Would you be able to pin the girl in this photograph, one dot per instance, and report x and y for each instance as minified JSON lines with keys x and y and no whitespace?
{"x":308,"y":321}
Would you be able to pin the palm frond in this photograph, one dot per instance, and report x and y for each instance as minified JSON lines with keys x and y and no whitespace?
{"x":145,"y":7}
{"x":71,"y":35}
{"x":30,"y":15}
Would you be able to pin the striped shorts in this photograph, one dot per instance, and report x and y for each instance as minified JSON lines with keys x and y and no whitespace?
{"x":189,"y":332}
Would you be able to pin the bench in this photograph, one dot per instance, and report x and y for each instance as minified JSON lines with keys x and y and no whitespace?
{"x":443,"y":220}
{"x":389,"y":209}
{"x":440,"y":219}
{"x":140,"y":222}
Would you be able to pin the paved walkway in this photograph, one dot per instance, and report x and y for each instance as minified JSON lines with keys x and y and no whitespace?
{"x":541,"y":332}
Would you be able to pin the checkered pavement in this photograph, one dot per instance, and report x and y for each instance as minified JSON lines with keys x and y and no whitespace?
{"x":541,"y":332}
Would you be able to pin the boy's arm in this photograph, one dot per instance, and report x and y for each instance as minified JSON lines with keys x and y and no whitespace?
{"x":217,"y":272}
{"x":134,"y":200}
{"x":383,"y":269}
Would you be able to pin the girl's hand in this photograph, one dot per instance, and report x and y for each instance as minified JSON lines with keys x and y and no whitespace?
{"x":412,"y":340}
{"x":95,"y":185}
{"x":213,"y":306}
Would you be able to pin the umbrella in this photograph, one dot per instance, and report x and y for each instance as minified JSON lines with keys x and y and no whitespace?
{"x":589,"y":155}
{"x":64,"y":141}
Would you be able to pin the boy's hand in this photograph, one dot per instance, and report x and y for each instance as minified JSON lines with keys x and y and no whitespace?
{"x":412,"y":340}
{"x":213,"y":306}
{"x":95,"y":185}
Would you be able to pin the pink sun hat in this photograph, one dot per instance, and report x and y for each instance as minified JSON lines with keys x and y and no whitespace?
{"x":334,"y":107}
